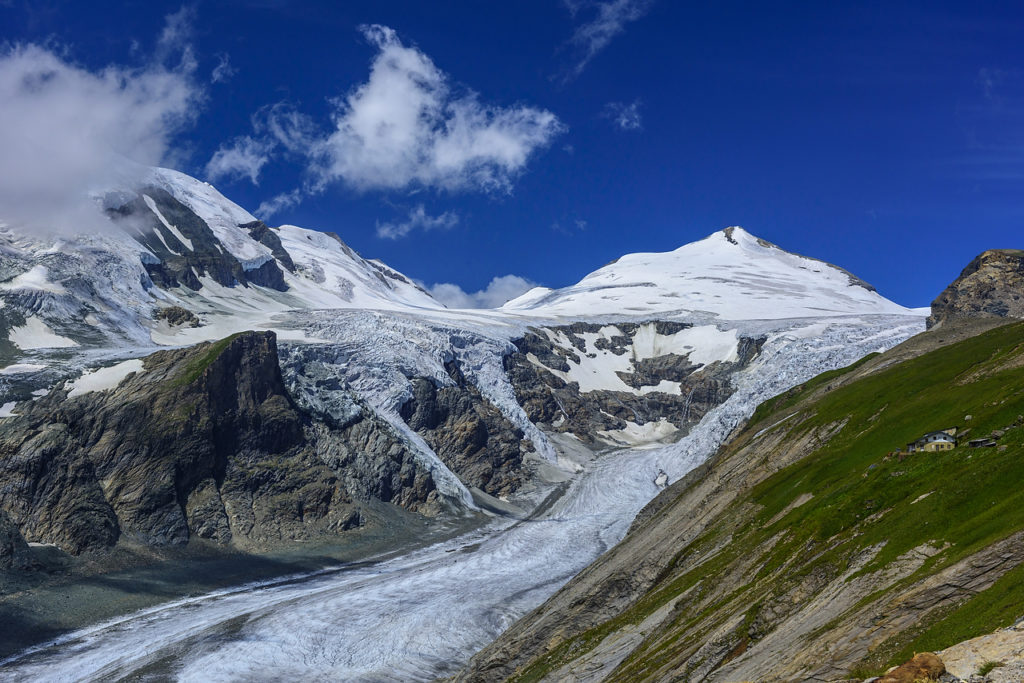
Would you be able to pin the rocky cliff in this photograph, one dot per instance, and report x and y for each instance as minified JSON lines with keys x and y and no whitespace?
{"x":203,"y":441}
{"x":992,"y":285}
{"x":807,"y":548}
{"x":624,"y":383}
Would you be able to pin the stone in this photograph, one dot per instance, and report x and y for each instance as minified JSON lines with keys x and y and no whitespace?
{"x":924,"y":666}
{"x":992,"y":285}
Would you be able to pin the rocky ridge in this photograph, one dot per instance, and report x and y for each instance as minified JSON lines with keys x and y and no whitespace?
{"x":204,"y":442}
{"x":992,"y":285}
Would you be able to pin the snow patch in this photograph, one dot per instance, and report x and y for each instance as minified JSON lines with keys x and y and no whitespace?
{"x":7,"y":409}
{"x":173,"y":230}
{"x":35,"y":334}
{"x":37,"y":278}
{"x":634,"y":435}
{"x":103,"y":379}
{"x":21,"y":368}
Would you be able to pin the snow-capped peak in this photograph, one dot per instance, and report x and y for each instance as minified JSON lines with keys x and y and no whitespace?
{"x":731,"y":274}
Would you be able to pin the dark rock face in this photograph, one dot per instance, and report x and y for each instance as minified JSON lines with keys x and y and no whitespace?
{"x":468,"y":433}
{"x":176,"y":316}
{"x":992,"y":285}
{"x":550,"y":401}
{"x":178,"y":263}
{"x":13,"y":548}
{"x":203,"y":441}
{"x":266,"y":236}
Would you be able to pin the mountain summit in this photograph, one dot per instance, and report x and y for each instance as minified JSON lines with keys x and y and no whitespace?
{"x":730,"y":273}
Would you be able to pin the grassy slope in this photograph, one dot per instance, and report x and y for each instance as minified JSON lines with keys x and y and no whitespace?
{"x":860,"y":499}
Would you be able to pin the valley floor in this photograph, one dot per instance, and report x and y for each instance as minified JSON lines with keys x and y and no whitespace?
{"x":414,"y":617}
{"x":67,"y":593}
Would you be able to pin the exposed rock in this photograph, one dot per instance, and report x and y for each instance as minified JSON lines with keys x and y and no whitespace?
{"x":992,"y":285}
{"x":925,"y":666}
{"x":1005,"y":645}
{"x":178,"y":264}
{"x":560,"y":406}
{"x":13,"y":548}
{"x":266,"y":236}
{"x":203,"y":441}
{"x":468,"y":433}
{"x":176,"y":316}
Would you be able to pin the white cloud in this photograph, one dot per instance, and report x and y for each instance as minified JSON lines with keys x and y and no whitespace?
{"x":497,"y":292}
{"x":245,"y":157}
{"x":67,"y":131}
{"x":625,"y":116}
{"x":224,"y":71}
{"x":407,"y":127}
{"x":279,"y":203}
{"x":608,"y":20}
{"x":278,"y":129}
{"x":287,"y":127}
{"x":418,"y":218}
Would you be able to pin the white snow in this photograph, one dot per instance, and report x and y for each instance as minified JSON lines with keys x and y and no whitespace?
{"x":704,"y":344}
{"x":37,"y":278}
{"x":173,"y":230}
{"x":103,"y":379}
{"x":7,"y":409}
{"x":36,"y":334}
{"x":746,"y":280}
{"x":21,"y":368}
{"x":598,"y":369}
{"x":637,"y":435}
{"x":221,"y":214}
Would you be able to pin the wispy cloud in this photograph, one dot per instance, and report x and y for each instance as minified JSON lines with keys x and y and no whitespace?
{"x":224,"y":71}
{"x":417,"y":218}
{"x":67,"y":131}
{"x":245,"y":157}
{"x":625,"y":116}
{"x":608,"y":18}
{"x":496,"y":293}
{"x":994,"y":129}
{"x":279,"y":203}
{"x":407,"y":127}
{"x":278,"y":129}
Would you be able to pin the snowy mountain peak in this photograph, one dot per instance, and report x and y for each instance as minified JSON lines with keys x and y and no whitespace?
{"x":731,"y":274}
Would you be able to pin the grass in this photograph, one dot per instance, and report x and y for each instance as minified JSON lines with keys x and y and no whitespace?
{"x":195,"y":367}
{"x":987,"y":667}
{"x":959,"y":501}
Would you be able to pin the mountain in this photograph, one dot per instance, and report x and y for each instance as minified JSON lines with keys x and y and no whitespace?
{"x":991,"y":285}
{"x":730,"y":274}
{"x":813,"y":545}
{"x":194,"y":378}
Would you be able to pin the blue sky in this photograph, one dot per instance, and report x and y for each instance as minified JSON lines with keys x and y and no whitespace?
{"x":542,"y":139}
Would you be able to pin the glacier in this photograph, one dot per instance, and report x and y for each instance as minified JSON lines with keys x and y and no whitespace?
{"x":419,"y":616}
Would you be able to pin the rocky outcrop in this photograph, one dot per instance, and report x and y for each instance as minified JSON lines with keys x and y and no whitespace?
{"x":13,"y":548}
{"x":925,"y":666}
{"x":191,"y":250}
{"x":176,"y":316}
{"x":470,"y":435}
{"x":559,"y":405}
{"x":992,"y":285}
{"x":1004,"y":648}
{"x":205,"y":442}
